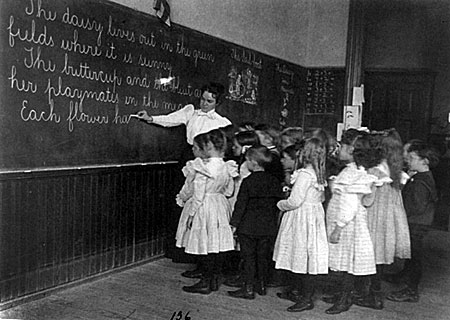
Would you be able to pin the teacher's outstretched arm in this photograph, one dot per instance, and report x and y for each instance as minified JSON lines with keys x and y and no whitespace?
{"x":143,"y":115}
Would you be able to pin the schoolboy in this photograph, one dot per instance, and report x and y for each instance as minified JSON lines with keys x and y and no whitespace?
{"x":255,"y":221}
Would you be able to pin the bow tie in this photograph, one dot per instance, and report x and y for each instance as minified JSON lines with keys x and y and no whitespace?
{"x":210,"y":115}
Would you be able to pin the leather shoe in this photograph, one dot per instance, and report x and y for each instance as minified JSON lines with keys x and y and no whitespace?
{"x":342,"y":304}
{"x":246,"y":292}
{"x":289,"y":295}
{"x":302,"y":305}
{"x":372,"y":301}
{"x":202,"y":287}
{"x":405,"y":295}
{"x":196,"y":273}
{"x":236,"y":282}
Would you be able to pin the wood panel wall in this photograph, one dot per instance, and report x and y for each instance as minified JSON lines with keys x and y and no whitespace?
{"x":61,"y":226}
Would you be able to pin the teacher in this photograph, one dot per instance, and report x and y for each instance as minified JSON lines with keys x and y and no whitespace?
{"x":197,"y":121}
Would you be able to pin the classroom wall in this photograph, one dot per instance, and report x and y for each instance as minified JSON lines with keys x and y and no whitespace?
{"x":311,"y":33}
{"x":421,"y":41}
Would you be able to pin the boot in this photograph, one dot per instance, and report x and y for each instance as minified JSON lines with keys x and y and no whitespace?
{"x":202,"y":287}
{"x":301,"y":305}
{"x":373,"y":300}
{"x":292,"y":295}
{"x":196,"y":273}
{"x":214,"y":283}
{"x":342,"y":304}
{"x":330,"y":297}
{"x":246,"y":292}
{"x":236,"y":282}
{"x":404,"y":295}
{"x":260,"y":288}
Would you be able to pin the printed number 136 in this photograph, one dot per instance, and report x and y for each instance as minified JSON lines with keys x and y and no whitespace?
{"x":179,"y":316}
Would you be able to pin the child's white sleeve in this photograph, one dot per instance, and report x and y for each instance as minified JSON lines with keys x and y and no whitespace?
{"x":348,"y":206}
{"x":298,"y":193}
{"x":199,"y":192}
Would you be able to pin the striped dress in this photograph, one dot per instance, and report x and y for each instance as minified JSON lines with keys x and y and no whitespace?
{"x":354,"y":252}
{"x":388,"y":224}
{"x":301,"y":245}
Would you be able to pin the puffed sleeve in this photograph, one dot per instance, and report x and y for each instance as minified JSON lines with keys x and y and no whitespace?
{"x":301,"y":185}
{"x":233,"y":172}
{"x":188,"y":168}
{"x":176,"y":118}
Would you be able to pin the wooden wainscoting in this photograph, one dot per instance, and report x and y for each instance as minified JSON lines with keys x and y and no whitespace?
{"x":61,"y":226}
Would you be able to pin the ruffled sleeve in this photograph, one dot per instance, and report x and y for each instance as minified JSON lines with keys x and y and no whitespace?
{"x":188,"y":168}
{"x":232,"y":168}
{"x":199,"y":166}
{"x":233,"y":172}
{"x":354,"y":180}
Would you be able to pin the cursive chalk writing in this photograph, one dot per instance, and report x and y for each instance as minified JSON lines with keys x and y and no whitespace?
{"x":105,"y":96}
{"x":83,"y":23}
{"x":77,"y":114}
{"x":73,"y":46}
{"x":29,"y":35}
{"x":28,"y":113}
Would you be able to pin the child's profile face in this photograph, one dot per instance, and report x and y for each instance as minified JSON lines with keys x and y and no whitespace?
{"x":346,"y":152}
{"x":207,"y":101}
{"x":287,"y":162}
{"x":250,"y":164}
{"x":237,"y":148}
{"x":415,"y":163}
{"x":197,"y":151}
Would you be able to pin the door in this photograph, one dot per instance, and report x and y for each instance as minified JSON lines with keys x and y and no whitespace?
{"x":400,"y":100}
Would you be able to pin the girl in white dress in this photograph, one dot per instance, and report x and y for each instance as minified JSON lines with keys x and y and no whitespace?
{"x":204,"y":229}
{"x":350,"y":250}
{"x":301,"y":245}
{"x":386,"y":215}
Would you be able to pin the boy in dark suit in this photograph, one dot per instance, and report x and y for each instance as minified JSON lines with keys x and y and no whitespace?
{"x":255,"y":221}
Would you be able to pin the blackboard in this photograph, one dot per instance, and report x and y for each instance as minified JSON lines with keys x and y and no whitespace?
{"x":324,"y":98}
{"x":73,"y":71}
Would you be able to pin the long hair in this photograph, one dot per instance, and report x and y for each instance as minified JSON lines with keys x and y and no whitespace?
{"x":314,"y":153}
{"x":392,"y":151}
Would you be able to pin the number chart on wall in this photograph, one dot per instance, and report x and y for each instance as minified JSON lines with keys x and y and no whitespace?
{"x":74,"y":71}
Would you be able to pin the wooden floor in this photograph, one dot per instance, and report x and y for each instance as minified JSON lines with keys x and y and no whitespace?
{"x":153,"y":291}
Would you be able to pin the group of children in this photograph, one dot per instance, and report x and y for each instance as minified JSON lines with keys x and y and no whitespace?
{"x":305,"y":204}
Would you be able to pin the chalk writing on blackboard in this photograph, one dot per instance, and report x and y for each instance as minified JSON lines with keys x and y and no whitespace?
{"x":75,"y":71}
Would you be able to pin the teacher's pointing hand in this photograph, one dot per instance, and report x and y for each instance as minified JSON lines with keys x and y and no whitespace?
{"x":143,"y":115}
